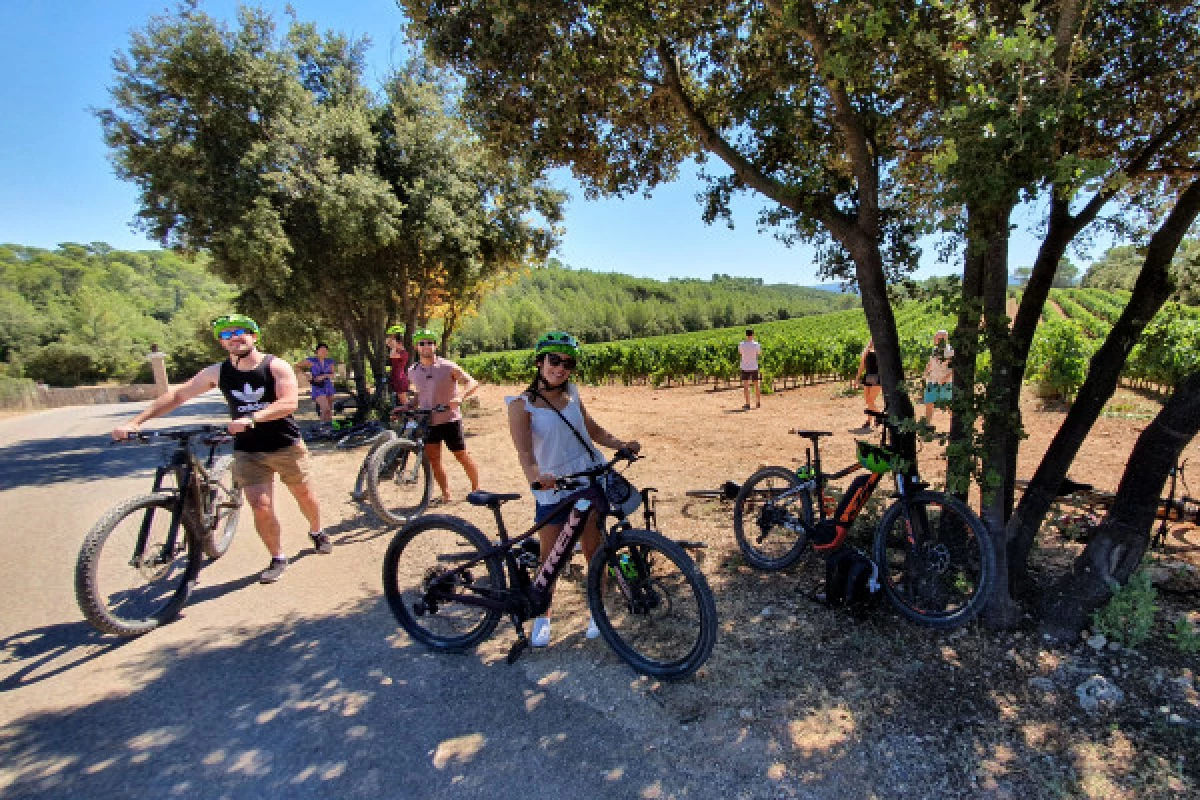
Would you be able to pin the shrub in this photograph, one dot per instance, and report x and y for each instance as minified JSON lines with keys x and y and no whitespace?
{"x":1129,"y":615}
{"x":61,"y":364}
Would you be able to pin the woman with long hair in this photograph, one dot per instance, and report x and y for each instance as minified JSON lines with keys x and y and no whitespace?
{"x":554,"y":435}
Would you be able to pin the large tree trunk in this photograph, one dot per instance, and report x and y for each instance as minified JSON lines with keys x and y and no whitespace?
{"x":1118,"y":544}
{"x":1154,"y":286}
{"x":988,"y":234}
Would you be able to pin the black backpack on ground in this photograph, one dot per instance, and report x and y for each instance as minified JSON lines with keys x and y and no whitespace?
{"x":851,"y":580}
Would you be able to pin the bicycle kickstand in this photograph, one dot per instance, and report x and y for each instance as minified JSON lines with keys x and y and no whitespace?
{"x":522,"y":642}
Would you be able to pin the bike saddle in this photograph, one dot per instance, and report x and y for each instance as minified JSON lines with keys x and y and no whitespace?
{"x":810,"y":434}
{"x":491,"y":499}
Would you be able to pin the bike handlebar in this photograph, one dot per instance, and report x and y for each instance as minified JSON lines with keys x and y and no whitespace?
{"x":576,"y":479}
{"x":216,"y":434}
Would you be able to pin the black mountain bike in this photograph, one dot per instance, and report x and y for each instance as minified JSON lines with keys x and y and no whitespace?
{"x":934,"y":555}
{"x":139,"y":562}
{"x":448,"y":583}
{"x":397,"y":472}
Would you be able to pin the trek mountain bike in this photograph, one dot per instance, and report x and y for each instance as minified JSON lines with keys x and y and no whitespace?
{"x":934,"y":555}
{"x":448,"y":584}
{"x":138,"y":564}
{"x":398,"y":472}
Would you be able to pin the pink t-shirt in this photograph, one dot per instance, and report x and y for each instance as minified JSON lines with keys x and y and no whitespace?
{"x":436,"y":385}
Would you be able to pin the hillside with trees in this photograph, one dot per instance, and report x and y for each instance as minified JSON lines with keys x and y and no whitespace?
{"x":604,"y":307}
{"x":85,"y":313}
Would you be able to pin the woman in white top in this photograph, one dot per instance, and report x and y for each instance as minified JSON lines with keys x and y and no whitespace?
{"x":547,"y":448}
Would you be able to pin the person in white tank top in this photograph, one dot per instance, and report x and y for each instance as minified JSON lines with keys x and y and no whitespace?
{"x":547,"y":448}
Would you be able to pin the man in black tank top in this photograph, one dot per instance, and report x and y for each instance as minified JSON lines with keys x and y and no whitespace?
{"x":262,"y":396}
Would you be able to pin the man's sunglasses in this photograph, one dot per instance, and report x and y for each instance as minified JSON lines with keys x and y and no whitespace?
{"x":229,"y":333}
{"x":427,"y":342}
{"x":555,"y":360}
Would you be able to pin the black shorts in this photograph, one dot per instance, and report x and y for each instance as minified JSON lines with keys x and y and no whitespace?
{"x":750,"y":375}
{"x":870,"y":380}
{"x":449,"y":432}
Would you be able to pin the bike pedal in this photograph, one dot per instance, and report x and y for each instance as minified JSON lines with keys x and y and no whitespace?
{"x":518,"y":647}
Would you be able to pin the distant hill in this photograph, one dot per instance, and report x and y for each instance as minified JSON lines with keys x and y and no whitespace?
{"x":605,"y":306}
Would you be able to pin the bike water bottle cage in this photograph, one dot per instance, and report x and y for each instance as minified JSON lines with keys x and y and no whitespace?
{"x":557,"y":342}
{"x":805,"y":473}
{"x":233,"y":321}
{"x":874,"y":458}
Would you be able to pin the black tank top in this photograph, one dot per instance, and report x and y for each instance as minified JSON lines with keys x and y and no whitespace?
{"x":872,"y":363}
{"x":247,"y":391}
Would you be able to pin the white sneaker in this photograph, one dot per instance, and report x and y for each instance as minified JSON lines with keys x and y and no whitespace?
{"x":541,"y":632}
{"x":592,"y":631}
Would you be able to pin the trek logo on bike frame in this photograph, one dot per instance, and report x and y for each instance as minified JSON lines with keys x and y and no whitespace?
{"x":563,"y":543}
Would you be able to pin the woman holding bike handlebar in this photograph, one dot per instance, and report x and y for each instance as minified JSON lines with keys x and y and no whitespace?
{"x":554,"y":436}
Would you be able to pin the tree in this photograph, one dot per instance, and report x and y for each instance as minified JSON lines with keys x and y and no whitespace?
{"x":309,"y":192}
{"x":862,"y":123}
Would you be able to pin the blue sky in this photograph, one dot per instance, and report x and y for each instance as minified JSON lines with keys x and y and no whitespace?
{"x":58,"y":186}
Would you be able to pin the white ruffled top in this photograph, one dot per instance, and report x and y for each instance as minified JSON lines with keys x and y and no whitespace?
{"x":555,"y":448}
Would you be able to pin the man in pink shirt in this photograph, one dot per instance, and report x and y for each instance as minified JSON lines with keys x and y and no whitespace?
{"x":436,"y":382}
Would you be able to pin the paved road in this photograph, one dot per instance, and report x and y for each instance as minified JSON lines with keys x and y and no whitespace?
{"x":301,"y":689}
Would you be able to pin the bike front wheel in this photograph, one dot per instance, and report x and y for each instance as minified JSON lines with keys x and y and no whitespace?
{"x":127,"y":591}
{"x":652,"y":604}
{"x":936,"y":561}
{"x":425,"y":588}
{"x":226,"y":509}
{"x":398,"y":482}
{"x":767,"y":517}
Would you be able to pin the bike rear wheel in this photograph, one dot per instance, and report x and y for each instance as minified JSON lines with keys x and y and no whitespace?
{"x":421,"y":586}
{"x":359,"y":493}
{"x":127,"y":594}
{"x":941,"y":576}
{"x":767,"y":524}
{"x":227,"y":509}
{"x":398,"y":482}
{"x":652,"y":604}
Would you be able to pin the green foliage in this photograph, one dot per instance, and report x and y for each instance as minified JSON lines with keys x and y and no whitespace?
{"x":351,"y":208}
{"x":1185,"y":635}
{"x":1058,"y":358}
{"x":1129,"y":615}
{"x":601,"y":307}
{"x":85,"y":313}
{"x":810,"y":348}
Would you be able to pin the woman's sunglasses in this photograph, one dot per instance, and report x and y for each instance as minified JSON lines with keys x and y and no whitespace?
{"x":229,"y":333}
{"x":555,"y":360}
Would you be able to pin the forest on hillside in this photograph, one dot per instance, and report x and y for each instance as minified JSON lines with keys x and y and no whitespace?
{"x":86,"y":313}
{"x":605,"y":307}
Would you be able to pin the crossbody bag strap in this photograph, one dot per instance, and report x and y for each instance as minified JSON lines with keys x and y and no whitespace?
{"x":536,"y":394}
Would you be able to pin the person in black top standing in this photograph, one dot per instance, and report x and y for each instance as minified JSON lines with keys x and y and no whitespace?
{"x":262,"y":396}
{"x":868,"y":376}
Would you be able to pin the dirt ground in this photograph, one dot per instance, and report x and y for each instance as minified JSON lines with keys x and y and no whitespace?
{"x":890,"y":708}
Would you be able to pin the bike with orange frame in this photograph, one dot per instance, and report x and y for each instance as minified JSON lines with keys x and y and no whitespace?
{"x":934,"y":555}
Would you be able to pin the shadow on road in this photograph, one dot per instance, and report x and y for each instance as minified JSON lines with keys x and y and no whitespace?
{"x":57,"y":458}
{"x":330,"y":707}
{"x":45,"y":652}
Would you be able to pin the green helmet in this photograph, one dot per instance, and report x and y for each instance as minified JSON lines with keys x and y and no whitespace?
{"x":424,"y":335}
{"x":233,"y":321}
{"x":557,"y":342}
{"x":395,"y":330}
{"x":875,"y":458}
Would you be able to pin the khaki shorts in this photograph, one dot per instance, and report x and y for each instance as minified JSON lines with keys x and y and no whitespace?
{"x":254,"y":469}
